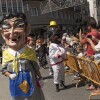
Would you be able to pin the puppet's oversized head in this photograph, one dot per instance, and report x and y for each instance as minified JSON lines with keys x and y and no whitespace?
{"x":15,"y":30}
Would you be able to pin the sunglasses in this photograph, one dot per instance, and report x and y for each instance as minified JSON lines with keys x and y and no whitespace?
{"x":14,"y":15}
{"x":18,"y":24}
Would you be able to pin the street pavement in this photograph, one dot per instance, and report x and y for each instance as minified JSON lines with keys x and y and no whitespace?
{"x":70,"y":93}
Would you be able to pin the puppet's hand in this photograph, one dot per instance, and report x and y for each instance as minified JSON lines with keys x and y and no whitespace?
{"x":41,"y":83}
{"x":12,"y":76}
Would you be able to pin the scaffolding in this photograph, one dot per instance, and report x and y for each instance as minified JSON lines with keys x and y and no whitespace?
{"x":54,"y":5}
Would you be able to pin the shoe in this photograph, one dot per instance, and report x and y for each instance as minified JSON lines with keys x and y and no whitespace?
{"x":57,"y":87}
{"x":63,"y":85}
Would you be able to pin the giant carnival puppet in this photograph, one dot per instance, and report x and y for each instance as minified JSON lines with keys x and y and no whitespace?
{"x":19,"y":61}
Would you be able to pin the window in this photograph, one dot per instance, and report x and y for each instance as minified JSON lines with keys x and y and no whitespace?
{"x":26,"y":7}
{"x":34,"y":11}
{"x":69,"y":16}
{"x":4,"y":8}
{"x":20,"y":5}
{"x":57,"y":13}
{"x":54,"y":14}
{"x":62,"y":14}
{"x":98,"y":2}
{"x":14,"y":7}
{"x":98,"y":10}
{"x":9,"y":6}
{"x":73,"y":1}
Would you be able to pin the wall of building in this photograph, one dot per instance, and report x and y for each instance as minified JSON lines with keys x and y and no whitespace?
{"x":68,"y":16}
{"x":94,"y":7}
{"x":8,"y":6}
{"x":98,"y":10}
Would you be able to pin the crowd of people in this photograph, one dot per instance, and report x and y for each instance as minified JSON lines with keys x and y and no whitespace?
{"x":25,"y":54}
{"x":88,"y":45}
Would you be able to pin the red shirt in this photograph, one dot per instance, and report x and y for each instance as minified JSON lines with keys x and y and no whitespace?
{"x":89,"y":50}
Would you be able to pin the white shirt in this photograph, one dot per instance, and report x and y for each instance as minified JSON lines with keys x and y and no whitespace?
{"x":16,"y":53}
{"x":97,"y":47}
{"x":56,"y":53}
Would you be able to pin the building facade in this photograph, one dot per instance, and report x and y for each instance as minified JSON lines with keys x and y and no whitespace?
{"x":94,"y":7}
{"x":98,"y":11}
{"x":40,"y":12}
{"x":68,"y":13}
{"x":8,"y":6}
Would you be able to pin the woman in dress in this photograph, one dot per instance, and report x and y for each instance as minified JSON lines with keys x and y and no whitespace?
{"x":19,"y":61}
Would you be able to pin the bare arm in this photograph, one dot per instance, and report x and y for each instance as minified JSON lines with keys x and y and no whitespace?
{"x":76,"y":39}
{"x":92,"y":44}
{"x":80,"y":35}
{"x":97,"y":40}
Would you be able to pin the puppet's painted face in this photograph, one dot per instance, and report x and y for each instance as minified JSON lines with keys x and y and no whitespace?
{"x":14,"y":33}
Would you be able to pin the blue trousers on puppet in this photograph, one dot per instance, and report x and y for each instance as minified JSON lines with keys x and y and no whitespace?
{"x":22,"y":85}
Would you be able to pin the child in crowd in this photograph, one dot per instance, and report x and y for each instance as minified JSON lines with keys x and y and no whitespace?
{"x":42,"y":51}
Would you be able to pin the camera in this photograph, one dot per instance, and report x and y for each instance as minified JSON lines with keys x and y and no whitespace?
{"x":89,"y":36}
